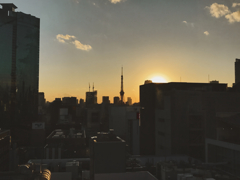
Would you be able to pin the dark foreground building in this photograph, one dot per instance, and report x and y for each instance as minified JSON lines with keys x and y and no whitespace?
{"x":4,"y":150}
{"x":177,"y":117}
{"x":107,"y":154}
{"x":19,"y":70}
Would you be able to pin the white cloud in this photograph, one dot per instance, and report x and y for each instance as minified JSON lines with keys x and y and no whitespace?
{"x":81,"y":46}
{"x":218,"y":10}
{"x":235,"y":4}
{"x":233,"y":17}
{"x":206,"y":33}
{"x":115,"y":1}
{"x":72,"y":39}
{"x":61,"y":38}
{"x":188,"y":24}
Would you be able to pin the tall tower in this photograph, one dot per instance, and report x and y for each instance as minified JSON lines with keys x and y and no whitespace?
{"x":121,"y":92}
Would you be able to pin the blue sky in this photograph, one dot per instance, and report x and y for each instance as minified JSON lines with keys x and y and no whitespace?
{"x":86,"y":41}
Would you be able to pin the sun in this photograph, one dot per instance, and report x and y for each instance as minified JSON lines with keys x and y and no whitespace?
{"x":158,"y":79}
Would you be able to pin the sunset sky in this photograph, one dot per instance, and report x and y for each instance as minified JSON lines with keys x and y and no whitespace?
{"x":86,"y":41}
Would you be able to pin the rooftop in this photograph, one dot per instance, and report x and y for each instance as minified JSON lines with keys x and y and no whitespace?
{"x":142,"y":175}
{"x":71,"y":133}
{"x":222,"y":87}
{"x":4,"y":133}
{"x":107,"y":137}
{"x":8,"y":6}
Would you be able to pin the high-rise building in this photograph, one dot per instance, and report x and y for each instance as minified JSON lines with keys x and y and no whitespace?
{"x":91,"y":98}
{"x":41,"y":99}
{"x":177,"y":117}
{"x":19,"y":68}
{"x":105,"y":99}
{"x":237,"y":71}
{"x":116,"y":100}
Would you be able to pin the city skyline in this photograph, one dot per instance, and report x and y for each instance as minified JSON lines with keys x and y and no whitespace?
{"x":86,"y":41}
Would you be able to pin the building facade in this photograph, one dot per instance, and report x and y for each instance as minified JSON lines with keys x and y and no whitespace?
{"x":110,"y":149}
{"x":19,"y":68}
{"x":125,"y":122}
{"x":176,"y":117}
{"x":237,"y":71}
{"x":5,"y":141}
{"x":225,"y":154}
{"x":91,"y":98}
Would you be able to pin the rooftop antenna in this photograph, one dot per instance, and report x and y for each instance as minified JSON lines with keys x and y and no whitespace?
{"x":89,"y":87}
{"x":93,"y":87}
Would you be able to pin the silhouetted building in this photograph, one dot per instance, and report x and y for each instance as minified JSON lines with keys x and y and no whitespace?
{"x":69,"y":101}
{"x":91,"y":98}
{"x":54,"y":109}
{"x":41,"y":106}
{"x":19,"y":69}
{"x":105,"y":99}
{"x":62,"y":144}
{"x":125,"y":122}
{"x":237,"y":71}
{"x":58,"y":100}
{"x":4,"y":150}
{"x":129,"y":101}
{"x":133,"y":132}
{"x":81,"y":102}
{"x":41,"y":99}
{"x":64,"y":116}
{"x":176,"y":117}
{"x":93,"y":118}
{"x":107,"y":154}
{"x":38,"y":134}
{"x":116,"y":100}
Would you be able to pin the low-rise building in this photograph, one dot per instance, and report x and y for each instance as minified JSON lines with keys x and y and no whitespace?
{"x":65,"y":144}
{"x":107,"y":154}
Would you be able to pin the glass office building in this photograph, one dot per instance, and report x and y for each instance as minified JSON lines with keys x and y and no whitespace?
{"x":19,"y":68}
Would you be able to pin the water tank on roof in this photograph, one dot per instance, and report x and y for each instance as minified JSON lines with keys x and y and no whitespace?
{"x":46,"y":175}
{"x":148,"y":82}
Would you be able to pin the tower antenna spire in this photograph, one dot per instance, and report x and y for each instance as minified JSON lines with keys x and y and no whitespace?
{"x":93,"y":87}
{"x":122,"y":92}
{"x":89,"y":87}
